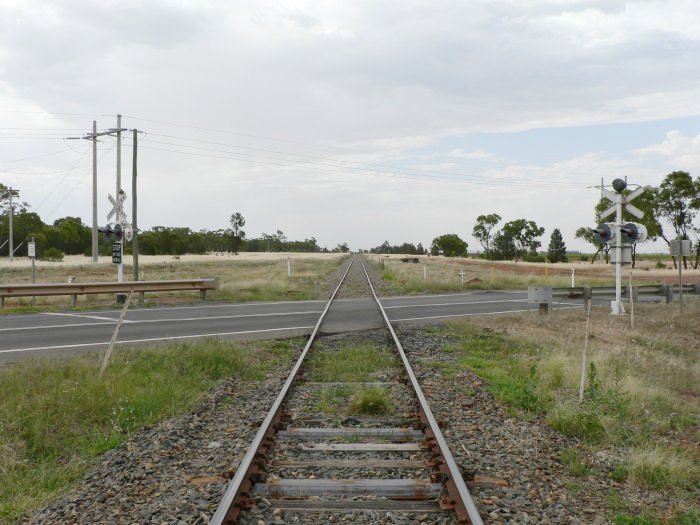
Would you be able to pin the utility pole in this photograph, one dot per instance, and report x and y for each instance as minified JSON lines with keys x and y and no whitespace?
{"x":11,"y":236}
{"x":135,"y":240}
{"x":95,"y":251}
{"x":120,"y":267}
{"x":119,"y":217}
{"x":93,"y":137}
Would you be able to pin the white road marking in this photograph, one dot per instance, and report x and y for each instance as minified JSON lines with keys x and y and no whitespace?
{"x":82,"y":316}
{"x":473,"y":314}
{"x":54,"y":326}
{"x":142,"y":321}
{"x":150,"y":340}
{"x":455,"y":304}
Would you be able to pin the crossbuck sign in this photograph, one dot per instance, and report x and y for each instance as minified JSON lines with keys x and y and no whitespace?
{"x":626,"y":200}
{"x":117,"y":205}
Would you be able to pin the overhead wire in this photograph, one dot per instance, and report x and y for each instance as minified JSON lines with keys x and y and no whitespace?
{"x":80,"y":181}
{"x":347,"y":171}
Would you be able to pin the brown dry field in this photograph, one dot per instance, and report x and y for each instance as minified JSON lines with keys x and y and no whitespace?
{"x":644,"y":269}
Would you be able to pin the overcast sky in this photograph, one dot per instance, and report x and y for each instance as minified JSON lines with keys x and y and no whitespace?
{"x":354,"y":122}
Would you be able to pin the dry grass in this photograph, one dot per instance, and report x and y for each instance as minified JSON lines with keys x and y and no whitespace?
{"x":641,"y":393}
{"x":242,"y":278}
{"x":443,"y":274}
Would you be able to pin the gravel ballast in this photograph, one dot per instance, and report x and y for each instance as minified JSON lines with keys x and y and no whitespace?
{"x":176,"y":471}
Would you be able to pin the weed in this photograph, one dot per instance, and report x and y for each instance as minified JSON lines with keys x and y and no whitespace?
{"x":572,"y":458}
{"x":626,"y":519}
{"x":371,"y":401}
{"x":331,"y":399}
{"x":619,"y":473}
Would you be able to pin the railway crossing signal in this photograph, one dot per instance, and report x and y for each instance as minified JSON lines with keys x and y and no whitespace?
{"x":620,"y":235}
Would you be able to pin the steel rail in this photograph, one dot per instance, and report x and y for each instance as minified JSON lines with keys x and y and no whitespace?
{"x":457,"y":488}
{"x":227,"y":511}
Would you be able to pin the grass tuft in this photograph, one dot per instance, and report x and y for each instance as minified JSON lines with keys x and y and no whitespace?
{"x":371,"y":401}
{"x":572,"y":458}
{"x":658,"y":467}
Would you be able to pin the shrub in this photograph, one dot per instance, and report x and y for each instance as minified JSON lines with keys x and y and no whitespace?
{"x":52,"y":255}
{"x":577,"y":421}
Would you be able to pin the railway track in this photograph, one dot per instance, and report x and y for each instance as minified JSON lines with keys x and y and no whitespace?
{"x":310,"y":464}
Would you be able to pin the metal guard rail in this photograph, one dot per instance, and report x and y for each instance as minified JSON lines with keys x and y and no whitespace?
{"x":664,"y":290}
{"x":75,"y":289}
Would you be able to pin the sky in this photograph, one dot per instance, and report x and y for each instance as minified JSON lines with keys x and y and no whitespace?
{"x":353,"y":122}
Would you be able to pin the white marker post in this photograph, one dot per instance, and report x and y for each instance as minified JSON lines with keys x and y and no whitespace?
{"x":573,"y":279}
{"x":31,"y":253}
{"x":289,"y":267}
{"x":461,"y":274}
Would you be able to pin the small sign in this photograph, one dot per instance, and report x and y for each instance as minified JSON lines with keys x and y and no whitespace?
{"x":117,"y":252}
{"x":539,"y":294}
{"x":31,"y":249}
{"x":681,"y":247}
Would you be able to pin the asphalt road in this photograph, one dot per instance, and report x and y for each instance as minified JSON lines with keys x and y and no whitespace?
{"x":55,"y":334}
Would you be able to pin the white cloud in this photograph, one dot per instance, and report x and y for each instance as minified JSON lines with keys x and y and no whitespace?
{"x":476,"y":154}
{"x":375,"y":82}
{"x":681,"y":151}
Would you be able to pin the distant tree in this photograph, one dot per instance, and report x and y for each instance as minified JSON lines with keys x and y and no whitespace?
{"x":450,"y":244}
{"x":586,"y":233}
{"x":556,"y":252}
{"x":420,"y":250}
{"x":502,"y":247}
{"x":678,"y":202}
{"x":237,"y":222}
{"x":483,"y":230}
{"x":406,"y":247}
{"x":519,"y":235}
{"x":341,"y":248}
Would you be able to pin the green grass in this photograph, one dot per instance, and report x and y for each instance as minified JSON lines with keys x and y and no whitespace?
{"x":332,"y":399}
{"x":352,"y":362}
{"x":659,"y":467}
{"x":691,"y":517}
{"x":57,"y":416}
{"x":572,"y":459}
{"x":371,"y":401}
{"x":506,"y":364}
{"x":640,"y":389}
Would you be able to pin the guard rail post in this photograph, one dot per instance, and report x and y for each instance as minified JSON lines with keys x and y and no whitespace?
{"x":667,"y":291}
{"x":587,"y":294}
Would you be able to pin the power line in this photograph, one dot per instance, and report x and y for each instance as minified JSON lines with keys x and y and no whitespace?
{"x":351,"y":164}
{"x":348,"y":171}
{"x":41,"y":155}
{"x":80,"y":181}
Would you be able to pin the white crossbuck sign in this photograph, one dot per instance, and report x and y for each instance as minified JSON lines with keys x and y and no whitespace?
{"x":117,"y":205}
{"x":626,"y":200}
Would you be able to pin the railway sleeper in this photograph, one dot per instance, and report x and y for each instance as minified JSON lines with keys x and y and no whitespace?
{"x":388,"y":434}
{"x":418,"y":489}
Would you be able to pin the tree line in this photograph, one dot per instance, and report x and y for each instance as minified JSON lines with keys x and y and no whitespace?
{"x":70,"y":236}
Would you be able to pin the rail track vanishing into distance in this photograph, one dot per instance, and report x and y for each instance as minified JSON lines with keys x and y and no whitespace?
{"x":394,"y":464}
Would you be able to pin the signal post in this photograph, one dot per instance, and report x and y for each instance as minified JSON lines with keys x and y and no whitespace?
{"x":622,"y":234}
